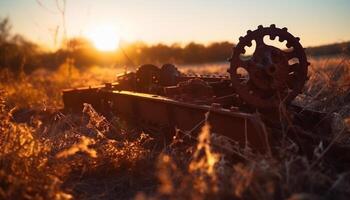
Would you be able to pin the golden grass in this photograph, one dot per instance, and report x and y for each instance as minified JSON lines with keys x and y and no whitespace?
{"x":57,"y":156}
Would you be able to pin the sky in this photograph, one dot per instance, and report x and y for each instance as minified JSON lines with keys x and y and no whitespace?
{"x":316,"y":22}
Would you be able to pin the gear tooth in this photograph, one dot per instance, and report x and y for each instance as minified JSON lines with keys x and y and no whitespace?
{"x":297,"y":38}
{"x":249,"y":32}
{"x":285,"y":29}
{"x":240,"y":38}
{"x":280,"y":39}
{"x":243,"y":51}
{"x":260,"y":27}
{"x":273,"y":26}
{"x":272,"y":37}
{"x":288,"y":45}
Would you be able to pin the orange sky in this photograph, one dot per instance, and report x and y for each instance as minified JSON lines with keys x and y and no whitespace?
{"x":315,"y":22}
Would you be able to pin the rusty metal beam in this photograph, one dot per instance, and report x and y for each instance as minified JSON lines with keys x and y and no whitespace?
{"x":153,"y":110}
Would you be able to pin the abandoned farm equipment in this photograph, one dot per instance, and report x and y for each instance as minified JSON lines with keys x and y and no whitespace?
{"x":253,"y":104}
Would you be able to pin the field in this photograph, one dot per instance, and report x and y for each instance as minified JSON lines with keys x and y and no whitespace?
{"x":47,"y":154}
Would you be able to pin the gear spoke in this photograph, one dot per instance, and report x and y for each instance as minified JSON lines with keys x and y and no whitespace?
{"x":290,"y":54}
{"x":260,"y":42}
{"x":244,"y":63}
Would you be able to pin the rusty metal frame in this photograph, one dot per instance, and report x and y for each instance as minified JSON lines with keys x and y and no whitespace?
{"x":158,"y":111}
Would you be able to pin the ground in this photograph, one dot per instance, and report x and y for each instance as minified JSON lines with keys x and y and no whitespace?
{"x":48,"y":154}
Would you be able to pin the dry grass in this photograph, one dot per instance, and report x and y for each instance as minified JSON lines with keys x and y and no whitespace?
{"x":45,"y":154}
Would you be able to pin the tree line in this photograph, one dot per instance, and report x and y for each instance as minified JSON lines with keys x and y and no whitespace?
{"x":20,"y":55}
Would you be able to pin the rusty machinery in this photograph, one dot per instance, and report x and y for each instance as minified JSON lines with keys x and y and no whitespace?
{"x":240,"y":106}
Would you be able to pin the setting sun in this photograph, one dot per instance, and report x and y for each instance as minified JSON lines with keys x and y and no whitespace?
{"x":104,"y":37}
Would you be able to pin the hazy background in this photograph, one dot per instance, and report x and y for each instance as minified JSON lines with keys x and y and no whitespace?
{"x":317,"y":22}
{"x":83,"y":33}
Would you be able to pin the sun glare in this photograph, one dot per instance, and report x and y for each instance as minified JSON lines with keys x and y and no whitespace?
{"x":104,"y":37}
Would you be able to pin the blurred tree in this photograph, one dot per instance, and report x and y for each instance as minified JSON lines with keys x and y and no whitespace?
{"x":16,"y":53}
{"x":5,"y":30}
{"x":193,"y":53}
{"x":329,"y":50}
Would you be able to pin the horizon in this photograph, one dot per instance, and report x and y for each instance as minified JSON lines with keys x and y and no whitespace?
{"x":178,"y":22}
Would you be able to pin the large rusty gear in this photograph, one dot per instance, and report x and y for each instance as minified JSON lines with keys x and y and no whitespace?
{"x":272,"y":80}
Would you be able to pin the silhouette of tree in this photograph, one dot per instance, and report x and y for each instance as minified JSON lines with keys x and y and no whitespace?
{"x":5,"y":30}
